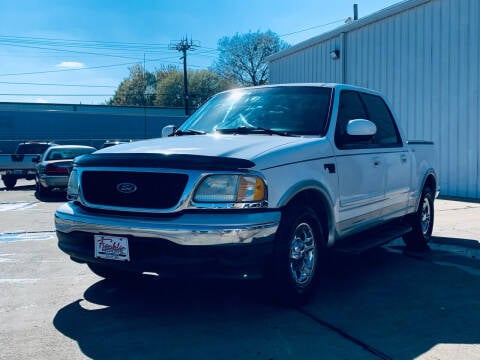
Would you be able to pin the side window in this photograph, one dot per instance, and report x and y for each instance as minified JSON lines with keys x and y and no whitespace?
{"x":351,"y":107}
{"x":378,"y":112}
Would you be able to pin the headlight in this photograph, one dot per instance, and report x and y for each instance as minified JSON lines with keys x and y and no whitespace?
{"x":73,"y":185}
{"x":230,"y":189}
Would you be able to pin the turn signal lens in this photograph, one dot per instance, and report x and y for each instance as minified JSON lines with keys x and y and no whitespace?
{"x":250,"y":188}
{"x":73,"y":186}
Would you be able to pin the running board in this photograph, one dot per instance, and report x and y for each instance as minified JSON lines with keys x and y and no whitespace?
{"x":372,"y":238}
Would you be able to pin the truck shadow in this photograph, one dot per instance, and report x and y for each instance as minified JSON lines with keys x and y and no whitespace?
{"x":18,"y":187}
{"x":400,"y":303}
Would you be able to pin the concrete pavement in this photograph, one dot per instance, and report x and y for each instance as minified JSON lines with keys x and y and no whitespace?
{"x":386,"y":303}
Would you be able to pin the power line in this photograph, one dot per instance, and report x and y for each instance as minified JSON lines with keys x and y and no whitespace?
{"x":85,"y":68}
{"x":94,"y":43}
{"x":61,"y":46}
{"x":313,"y":27}
{"x":54,"y":45}
{"x":33,"y":42}
{"x":55,"y":94}
{"x":63,"y":70}
{"x":69,"y":51}
{"x":47,"y":84}
{"x":112,"y":46}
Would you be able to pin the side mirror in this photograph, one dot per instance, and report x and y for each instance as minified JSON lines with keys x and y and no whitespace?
{"x":361,"y":127}
{"x":168,"y":130}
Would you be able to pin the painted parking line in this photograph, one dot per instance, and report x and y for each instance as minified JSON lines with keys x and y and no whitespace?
{"x":18,"y":281}
{"x":13,"y":206}
{"x":6,"y":258}
{"x":26,"y":236}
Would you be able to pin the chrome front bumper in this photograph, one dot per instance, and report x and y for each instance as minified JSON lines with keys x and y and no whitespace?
{"x":187,"y":229}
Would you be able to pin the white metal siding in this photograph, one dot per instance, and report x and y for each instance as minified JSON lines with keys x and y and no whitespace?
{"x":308,"y":65}
{"x":426,"y":60}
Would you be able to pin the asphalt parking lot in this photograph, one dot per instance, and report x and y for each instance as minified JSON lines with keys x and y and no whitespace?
{"x":387,"y":303}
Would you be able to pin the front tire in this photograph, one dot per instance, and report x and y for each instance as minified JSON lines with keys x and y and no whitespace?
{"x":299,"y":242}
{"x":421,"y":222}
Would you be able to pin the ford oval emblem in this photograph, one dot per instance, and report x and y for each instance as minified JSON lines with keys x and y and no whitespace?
{"x":126,"y":188}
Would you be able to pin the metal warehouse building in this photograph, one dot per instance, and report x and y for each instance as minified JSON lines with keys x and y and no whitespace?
{"x":81,"y":124}
{"x":424,"y":55}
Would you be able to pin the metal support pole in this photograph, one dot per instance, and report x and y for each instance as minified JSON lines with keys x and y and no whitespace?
{"x":185,"y":81}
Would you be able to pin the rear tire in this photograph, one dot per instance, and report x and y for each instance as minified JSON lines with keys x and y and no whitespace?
{"x":421,"y":222}
{"x":41,"y":191}
{"x":299,"y":244}
{"x":9,"y":181}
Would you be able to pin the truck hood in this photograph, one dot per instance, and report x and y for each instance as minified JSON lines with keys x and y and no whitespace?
{"x":260,"y":149}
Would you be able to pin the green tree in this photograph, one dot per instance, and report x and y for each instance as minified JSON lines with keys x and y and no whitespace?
{"x":202,"y":84}
{"x":243,"y":57}
{"x":169,"y":90}
{"x":138,"y":89}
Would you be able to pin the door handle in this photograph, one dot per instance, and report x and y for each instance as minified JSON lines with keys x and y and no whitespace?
{"x":403,"y":158}
{"x":376,"y":162}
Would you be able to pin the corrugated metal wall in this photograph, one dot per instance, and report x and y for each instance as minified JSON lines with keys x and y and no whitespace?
{"x":426,"y":60}
{"x":304,"y":66}
{"x":80,"y":124}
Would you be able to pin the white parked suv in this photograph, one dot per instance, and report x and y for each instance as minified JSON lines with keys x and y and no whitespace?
{"x":258,"y":181}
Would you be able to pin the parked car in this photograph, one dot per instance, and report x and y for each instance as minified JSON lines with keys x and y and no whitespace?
{"x":54,"y":166}
{"x":109,"y":143}
{"x":22,"y":163}
{"x":258,"y":181}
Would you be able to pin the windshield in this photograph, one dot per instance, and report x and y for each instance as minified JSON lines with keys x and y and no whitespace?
{"x":67,"y":153}
{"x":299,"y":110}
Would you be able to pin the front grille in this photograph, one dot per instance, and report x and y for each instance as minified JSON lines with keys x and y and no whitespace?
{"x":152,"y":190}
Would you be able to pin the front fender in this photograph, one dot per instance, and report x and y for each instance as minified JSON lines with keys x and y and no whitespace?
{"x":322,"y":193}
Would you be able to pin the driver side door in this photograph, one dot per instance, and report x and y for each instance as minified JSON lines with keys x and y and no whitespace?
{"x":361,"y":169}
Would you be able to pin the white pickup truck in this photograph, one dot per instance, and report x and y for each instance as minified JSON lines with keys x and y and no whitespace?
{"x":258,"y":181}
{"x":21,"y":164}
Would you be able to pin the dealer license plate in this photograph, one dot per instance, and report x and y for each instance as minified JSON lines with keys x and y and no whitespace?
{"x":111,"y":247}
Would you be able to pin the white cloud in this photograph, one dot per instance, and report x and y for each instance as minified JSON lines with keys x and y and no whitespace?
{"x":71,"y":65}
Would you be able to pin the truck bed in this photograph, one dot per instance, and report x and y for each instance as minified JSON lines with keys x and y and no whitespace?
{"x":18,"y":161}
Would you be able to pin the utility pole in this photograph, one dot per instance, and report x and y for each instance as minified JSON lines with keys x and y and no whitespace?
{"x":183,"y":46}
{"x":144,"y":100}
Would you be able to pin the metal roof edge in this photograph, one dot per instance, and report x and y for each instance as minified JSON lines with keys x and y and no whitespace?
{"x":374,"y":17}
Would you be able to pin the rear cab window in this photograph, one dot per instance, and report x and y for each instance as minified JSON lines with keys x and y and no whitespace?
{"x":32,"y":148}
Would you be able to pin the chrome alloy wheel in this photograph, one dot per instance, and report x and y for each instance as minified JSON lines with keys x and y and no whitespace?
{"x":426,"y":216}
{"x":302,"y":259}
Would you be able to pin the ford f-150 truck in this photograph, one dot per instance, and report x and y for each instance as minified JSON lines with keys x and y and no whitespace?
{"x":258,"y":181}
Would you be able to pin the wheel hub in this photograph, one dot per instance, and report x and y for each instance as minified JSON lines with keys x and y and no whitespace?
{"x":425,"y":216}
{"x":303,"y":254}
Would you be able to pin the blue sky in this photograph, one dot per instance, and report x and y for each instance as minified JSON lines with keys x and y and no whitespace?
{"x":50,"y":49}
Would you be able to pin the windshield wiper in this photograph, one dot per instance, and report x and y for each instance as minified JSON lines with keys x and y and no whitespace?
{"x":254,"y":130}
{"x":188,"y":132}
